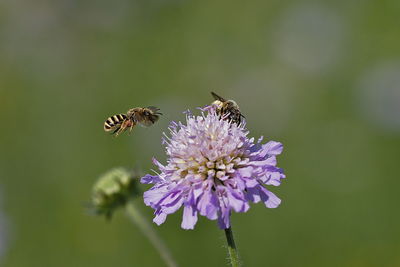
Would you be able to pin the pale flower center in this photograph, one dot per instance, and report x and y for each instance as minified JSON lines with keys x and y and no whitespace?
{"x":221,"y":169}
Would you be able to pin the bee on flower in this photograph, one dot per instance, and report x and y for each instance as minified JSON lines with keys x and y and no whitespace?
{"x":213,"y":168}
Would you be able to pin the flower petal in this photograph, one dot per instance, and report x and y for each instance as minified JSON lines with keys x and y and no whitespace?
{"x":246,"y":172}
{"x":150,"y":179}
{"x":160,"y":218}
{"x":208,"y":205}
{"x":236,"y":202}
{"x":224,"y":218}
{"x":269,"y":161}
{"x":189,"y":217}
{"x":270,"y":199}
{"x":154,"y":195}
{"x":271,"y":148}
{"x":172,"y":202}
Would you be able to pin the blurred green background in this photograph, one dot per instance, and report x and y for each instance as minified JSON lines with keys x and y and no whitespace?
{"x":323,"y":77}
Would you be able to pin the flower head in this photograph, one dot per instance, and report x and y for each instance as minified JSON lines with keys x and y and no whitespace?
{"x":212,"y":169}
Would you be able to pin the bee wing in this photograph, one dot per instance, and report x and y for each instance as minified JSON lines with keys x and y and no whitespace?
{"x":150,"y":120}
{"x":146,"y":123}
{"x":217,"y":97}
{"x":155,"y":110}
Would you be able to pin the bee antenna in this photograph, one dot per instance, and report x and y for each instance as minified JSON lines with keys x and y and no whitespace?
{"x":217,"y":97}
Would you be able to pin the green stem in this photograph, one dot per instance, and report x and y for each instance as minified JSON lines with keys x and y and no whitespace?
{"x":233,"y":253}
{"x":137,"y":218}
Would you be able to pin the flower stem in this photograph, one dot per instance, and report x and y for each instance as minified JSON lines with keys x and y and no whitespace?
{"x":137,"y":218}
{"x":233,"y":253}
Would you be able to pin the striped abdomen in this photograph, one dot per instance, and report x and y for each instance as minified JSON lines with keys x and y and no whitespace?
{"x":114,"y":122}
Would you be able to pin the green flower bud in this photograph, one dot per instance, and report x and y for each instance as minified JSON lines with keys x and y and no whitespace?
{"x":112,"y":191}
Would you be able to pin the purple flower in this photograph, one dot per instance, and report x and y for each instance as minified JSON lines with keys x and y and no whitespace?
{"x":213,"y":168}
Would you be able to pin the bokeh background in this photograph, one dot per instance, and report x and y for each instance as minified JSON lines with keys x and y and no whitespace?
{"x":323,"y":77}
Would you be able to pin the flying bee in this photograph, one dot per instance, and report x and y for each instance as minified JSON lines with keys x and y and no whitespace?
{"x":121,"y":122}
{"x":227,"y":109}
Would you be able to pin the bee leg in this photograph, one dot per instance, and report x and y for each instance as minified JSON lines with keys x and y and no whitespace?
{"x":131,"y":125}
{"x":120,"y":130}
{"x":116,"y":130}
